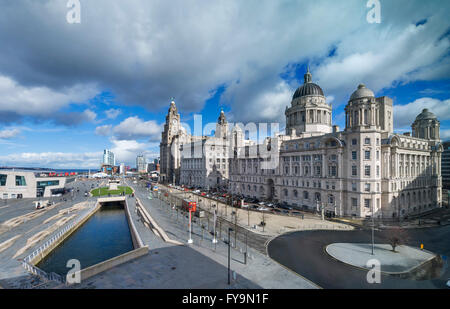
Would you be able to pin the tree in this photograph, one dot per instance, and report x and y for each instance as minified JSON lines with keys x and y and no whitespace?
{"x":397,"y":238}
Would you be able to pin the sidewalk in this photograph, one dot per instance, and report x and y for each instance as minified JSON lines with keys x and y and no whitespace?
{"x":260,"y":269}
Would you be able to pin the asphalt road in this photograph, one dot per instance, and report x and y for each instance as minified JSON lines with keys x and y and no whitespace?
{"x":304,"y":253}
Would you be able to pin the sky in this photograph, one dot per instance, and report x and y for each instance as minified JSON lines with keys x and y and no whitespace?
{"x":70,"y":90}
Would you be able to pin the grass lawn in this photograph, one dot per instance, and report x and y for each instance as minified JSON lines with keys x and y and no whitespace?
{"x":104,"y":191}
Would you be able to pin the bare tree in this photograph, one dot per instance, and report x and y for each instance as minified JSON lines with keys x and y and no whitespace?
{"x":397,"y":238}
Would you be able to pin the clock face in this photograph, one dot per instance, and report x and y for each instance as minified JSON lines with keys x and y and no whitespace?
{"x":174,"y":122}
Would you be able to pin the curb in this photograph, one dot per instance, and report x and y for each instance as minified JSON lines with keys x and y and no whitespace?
{"x":383,"y":272}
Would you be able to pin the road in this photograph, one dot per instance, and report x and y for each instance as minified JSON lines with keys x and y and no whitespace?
{"x":304,"y":253}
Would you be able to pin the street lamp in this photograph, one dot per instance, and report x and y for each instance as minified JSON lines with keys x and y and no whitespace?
{"x":190,"y":241}
{"x":373,"y":227}
{"x":215,"y":218}
{"x":229,"y":254}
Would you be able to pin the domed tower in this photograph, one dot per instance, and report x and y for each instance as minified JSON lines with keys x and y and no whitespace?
{"x":361,"y":110}
{"x":426,"y":126}
{"x":222,"y":126}
{"x":309,"y":112}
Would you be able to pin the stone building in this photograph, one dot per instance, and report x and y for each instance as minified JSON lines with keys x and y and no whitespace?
{"x":173,"y":136}
{"x":364,"y":170}
{"x":204,"y":163}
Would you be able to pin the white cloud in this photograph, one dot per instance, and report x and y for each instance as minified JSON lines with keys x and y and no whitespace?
{"x":187,"y":48}
{"x":127,"y":150}
{"x":112,"y":113}
{"x":9,"y":133}
{"x":404,"y":115}
{"x":53,"y":160}
{"x":382,"y":62}
{"x":135,"y":128}
{"x":41,"y":101}
{"x":90,"y":115}
{"x":103,"y":130}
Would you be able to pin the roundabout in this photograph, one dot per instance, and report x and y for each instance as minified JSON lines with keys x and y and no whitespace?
{"x":403,"y":260}
{"x":305,"y":253}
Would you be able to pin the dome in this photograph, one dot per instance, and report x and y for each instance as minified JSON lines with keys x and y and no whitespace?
{"x":362,"y":92}
{"x":426,"y":115}
{"x":308,"y":88}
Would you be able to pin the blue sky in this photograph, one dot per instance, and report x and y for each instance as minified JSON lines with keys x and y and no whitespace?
{"x":68,"y":91}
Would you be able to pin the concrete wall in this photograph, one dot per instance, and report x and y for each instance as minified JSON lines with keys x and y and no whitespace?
{"x":137,"y":241}
{"x":108,"y":264}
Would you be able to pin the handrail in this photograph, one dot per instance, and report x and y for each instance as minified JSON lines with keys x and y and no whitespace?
{"x":26,"y":263}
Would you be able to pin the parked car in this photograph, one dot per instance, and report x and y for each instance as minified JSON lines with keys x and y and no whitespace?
{"x":263,"y":209}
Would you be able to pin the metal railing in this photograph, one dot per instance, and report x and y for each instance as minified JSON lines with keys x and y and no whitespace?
{"x":26,"y":263}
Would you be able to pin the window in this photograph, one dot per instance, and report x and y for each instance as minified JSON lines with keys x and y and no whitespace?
{"x":354,"y":141}
{"x":48,"y":183}
{"x":3,"y":180}
{"x":367,"y":203}
{"x":354,"y":155}
{"x":20,"y":181}
{"x":353,"y":186}
{"x":332,"y":170}
{"x":331,"y":199}
{"x":367,"y":170}
{"x":318,"y":170}
{"x":354,"y":170}
{"x":378,"y":170}
{"x":367,"y":155}
{"x":367,"y":187}
{"x":367,"y":141}
{"x":354,"y":202}
{"x":305,"y":195}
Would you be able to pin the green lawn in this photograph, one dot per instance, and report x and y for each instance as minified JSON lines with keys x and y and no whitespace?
{"x":104,"y":191}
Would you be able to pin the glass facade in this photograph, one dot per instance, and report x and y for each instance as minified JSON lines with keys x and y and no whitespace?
{"x":40,"y":187}
{"x":48,"y":183}
{"x":2,"y":180}
{"x":20,"y":181}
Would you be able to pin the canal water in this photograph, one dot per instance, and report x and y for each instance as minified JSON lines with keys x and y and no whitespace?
{"x":105,"y":235}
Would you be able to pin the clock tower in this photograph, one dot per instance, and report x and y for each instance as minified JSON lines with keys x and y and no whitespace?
{"x":168,"y":149}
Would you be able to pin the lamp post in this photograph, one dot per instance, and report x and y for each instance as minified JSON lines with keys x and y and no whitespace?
{"x":373,"y":227}
{"x":229,"y":254}
{"x":190,"y":241}
{"x":215,"y":218}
